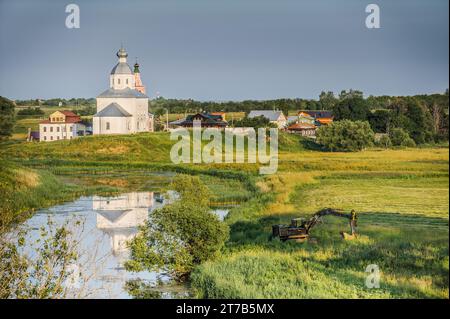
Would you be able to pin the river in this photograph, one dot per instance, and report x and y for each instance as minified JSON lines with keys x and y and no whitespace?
{"x":103,"y":226}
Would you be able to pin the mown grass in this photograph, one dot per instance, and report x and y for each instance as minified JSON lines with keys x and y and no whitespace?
{"x":402,"y":200}
{"x":401,"y":197}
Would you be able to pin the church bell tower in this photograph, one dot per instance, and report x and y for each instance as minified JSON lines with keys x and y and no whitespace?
{"x":137,"y":79}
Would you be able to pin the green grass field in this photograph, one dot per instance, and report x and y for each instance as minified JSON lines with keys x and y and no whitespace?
{"x":401,"y":197}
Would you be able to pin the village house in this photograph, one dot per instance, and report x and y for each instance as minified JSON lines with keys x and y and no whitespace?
{"x":123,"y":108}
{"x":307,"y":122}
{"x":320,"y":117}
{"x":203,"y":119}
{"x":305,"y":129}
{"x":61,"y":125}
{"x":275,"y":117}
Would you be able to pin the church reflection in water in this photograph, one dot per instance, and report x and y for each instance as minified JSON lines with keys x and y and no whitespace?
{"x":119,"y":217}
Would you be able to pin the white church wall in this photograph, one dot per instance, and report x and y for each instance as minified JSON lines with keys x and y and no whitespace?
{"x":121,"y":81}
{"x":112,"y":125}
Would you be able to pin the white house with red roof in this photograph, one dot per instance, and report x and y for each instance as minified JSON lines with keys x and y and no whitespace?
{"x":61,"y":125}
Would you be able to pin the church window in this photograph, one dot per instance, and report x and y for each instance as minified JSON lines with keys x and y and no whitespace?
{"x":107,"y":125}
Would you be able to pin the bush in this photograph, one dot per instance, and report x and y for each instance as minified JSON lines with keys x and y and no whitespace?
{"x":399,"y":137}
{"x":31,"y":111}
{"x":385,"y":142}
{"x":346,"y":136}
{"x":409,"y":142}
{"x":180,"y":235}
{"x":255,"y":122}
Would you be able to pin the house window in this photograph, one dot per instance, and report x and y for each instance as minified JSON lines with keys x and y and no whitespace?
{"x":127,"y":81}
{"x":51,"y":128}
{"x":57,"y":137}
{"x":107,"y":125}
{"x":51,"y":138}
{"x":45,"y":128}
{"x":45,"y":138}
{"x":57,"y":129}
{"x":118,"y":81}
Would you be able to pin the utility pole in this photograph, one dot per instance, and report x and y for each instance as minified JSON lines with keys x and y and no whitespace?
{"x":167,"y":119}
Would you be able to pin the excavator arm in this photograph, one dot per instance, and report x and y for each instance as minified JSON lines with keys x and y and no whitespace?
{"x":301,"y":231}
{"x":329,"y":211}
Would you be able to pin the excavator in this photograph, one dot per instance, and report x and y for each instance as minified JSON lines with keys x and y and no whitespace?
{"x":300,"y":229}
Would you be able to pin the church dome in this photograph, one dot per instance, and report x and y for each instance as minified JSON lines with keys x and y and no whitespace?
{"x":121,"y":68}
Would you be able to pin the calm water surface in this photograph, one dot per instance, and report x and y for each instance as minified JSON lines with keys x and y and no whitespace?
{"x":105,"y":226}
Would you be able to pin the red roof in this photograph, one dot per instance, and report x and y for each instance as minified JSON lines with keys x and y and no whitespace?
{"x":301,"y":126}
{"x":70,"y":118}
{"x":68,"y":113}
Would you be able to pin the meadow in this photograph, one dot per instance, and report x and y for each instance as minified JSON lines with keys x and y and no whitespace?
{"x":401,"y":196}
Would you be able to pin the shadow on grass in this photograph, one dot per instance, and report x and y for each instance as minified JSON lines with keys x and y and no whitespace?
{"x":404,"y":246}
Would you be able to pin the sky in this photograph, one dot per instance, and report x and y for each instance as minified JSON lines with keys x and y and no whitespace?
{"x":225,"y":49}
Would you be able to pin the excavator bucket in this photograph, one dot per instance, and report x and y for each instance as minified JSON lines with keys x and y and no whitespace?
{"x":348,"y":236}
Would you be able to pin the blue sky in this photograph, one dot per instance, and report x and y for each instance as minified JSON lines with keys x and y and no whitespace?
{"x":225,"y":49}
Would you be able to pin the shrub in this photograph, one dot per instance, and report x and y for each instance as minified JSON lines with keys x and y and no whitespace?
{"x":31,"y":111}
{"x":409,"y":142}
{"x":399,"y":137}
{"x":385,"y":141}
{"x":255,"y":122}
{"x":346,"y":135}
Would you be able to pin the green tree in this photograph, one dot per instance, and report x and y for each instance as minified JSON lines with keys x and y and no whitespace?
{"x":346,"y":136}
{"x":380,"y":120}
{"x":327,"y":100}
{"x":352,"y":107}
{"x":7,"y":118}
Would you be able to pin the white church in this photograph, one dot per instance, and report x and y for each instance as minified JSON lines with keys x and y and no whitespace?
{"x":123,"y":108}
